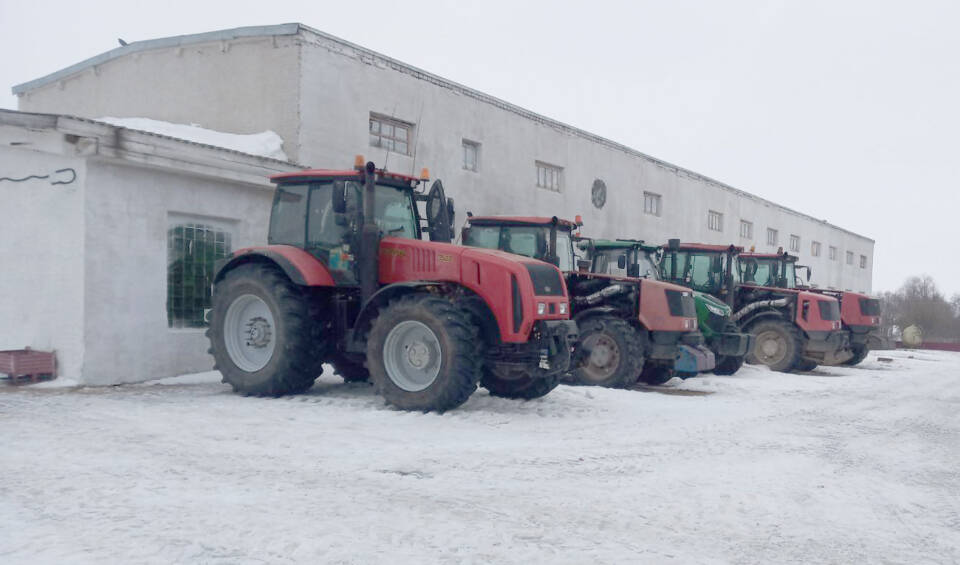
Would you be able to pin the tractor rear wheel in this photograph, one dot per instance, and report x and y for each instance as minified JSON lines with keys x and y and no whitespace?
{"x":615,"y":353}
{"x":518,"y":384}
{"x":777,"y":344}
{"x":423,"y":353}
{"x":261,"y":333}
{"x":859,"y":354}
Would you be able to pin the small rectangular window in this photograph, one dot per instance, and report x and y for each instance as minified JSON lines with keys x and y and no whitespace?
{"x":815,"y":248}
{"x":651,"y":203}
{"x":863,"y":261}
{"x":192,"y":250}
{"x":746,"y":229}
{"x":833,"y":253}
{"x":772,"y":236}
{"x":548,"y":176}
{"x":390,"y":134}
{"x":849,"y":257}
{"x":794,"y":242}
{"x":715,"y":220}
{"x":471,"y":155}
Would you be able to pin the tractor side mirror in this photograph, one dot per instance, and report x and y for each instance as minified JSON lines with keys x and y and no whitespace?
{"x":633,"y":270}
{"x":622,"y":262}
{"x":339,"y":197}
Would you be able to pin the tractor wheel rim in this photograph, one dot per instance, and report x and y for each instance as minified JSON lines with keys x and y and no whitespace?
{"x":604,"y":357}
{"x":771,"y":347}
{"x":249,"y":333}
{"x":412,"y":356}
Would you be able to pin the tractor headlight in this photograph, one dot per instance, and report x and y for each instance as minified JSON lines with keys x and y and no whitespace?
{"x":563,"y":307}
{"x":541,"y":308}
{"x":689,"y":324}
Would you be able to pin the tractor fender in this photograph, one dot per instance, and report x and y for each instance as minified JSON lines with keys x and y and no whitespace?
{"x":383,"y":297}
{"x":761,"y":315}
{"x":591,"y":312}
{"x":301,"y":268}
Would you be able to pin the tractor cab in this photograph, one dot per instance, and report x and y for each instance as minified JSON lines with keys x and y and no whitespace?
{"x":623,"y":257}
{"x":548,"y":239}
{"x":713,"y":269}
{"x":772,"y":269}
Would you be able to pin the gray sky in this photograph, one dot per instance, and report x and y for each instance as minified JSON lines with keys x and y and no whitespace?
{"x":848,"y":111}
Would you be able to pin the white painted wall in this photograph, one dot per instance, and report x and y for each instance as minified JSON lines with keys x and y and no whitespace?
{"x":128,"y":211}
{"x":41,"y":248}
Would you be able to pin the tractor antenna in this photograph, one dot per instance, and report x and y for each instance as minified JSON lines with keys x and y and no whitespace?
{"x":416,"y":144}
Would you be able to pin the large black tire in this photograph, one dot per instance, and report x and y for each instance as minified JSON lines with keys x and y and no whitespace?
{"x":517,"y":384}
{"x":656,"y":374}
{"x":805,"y":365}
{"x":776,"y":344}
{"x":292,"y":365}
{"x":350,"y":370}
{"x":859,"y":354}
{"x":616,"y":353}
{"x":729,"y":364}
{"x":424,"y":353}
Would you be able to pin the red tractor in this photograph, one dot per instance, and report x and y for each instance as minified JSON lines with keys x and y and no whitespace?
{"x":791,"y":327}
{"x":630,"y":328}
{"x":859,"y":313}
{"x":346,"y":279}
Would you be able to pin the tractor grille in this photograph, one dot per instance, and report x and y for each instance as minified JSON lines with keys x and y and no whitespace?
{"x":681,"y":303}
{"x":869,"y":306}
{"x":546,"y":279}
{"x":829,"y":310}
{"x":716,"y":322}
{"x":424,"y":260}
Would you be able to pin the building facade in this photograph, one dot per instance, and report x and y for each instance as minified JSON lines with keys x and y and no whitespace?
{"x":330,"y":100}
{"x":108,"y":242}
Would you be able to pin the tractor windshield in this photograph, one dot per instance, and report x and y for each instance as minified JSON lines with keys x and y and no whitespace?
{"x":607,"y":261}
{"x":769,"y":272}
{"x":529,"y":241}
{"x":703,"y":271}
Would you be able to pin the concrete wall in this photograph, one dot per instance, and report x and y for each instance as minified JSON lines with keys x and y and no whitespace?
{"x":341,"y":87}
{"x":41,"y":247}
{"x":128,"y":211}
{"x":241,"y":86}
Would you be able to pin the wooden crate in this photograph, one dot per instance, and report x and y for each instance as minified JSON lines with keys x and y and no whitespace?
{"x":22,"y":363}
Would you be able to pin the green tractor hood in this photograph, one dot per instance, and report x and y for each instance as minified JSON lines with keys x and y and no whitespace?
{"x":712,"y":314}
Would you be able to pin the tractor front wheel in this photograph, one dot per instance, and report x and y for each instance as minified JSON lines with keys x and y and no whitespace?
{"x":260,"y":333}
{"x":424,"y":354}
{"x":859,"y":354}
{"x":518,"y":384}
{"x":728,"y":364}
{"x":777,"y":344}
{"x":613,"y":353}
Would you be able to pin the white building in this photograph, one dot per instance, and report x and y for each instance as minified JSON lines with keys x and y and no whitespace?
{"x":106,"y":241}
{"x":330,"y":100}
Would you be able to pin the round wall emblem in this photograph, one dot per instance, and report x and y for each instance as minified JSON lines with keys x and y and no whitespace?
{"x":598,"y":194}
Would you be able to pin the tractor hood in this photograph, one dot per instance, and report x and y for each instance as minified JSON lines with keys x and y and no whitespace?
{"x":712,"y":304}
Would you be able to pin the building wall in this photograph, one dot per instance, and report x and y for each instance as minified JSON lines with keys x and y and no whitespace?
{"x":341,"y":88}
{"x":128,"y":212}
{"x":242,"y":86}
{"x":41,"y":247}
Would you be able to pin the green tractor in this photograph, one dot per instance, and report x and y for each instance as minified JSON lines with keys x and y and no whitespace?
{"x":630,"y":257}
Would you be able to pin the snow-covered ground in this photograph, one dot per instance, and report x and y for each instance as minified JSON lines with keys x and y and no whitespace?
{"x":842,"y":465}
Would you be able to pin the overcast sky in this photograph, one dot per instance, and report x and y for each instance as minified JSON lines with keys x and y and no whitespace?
{"x":847,"y":111}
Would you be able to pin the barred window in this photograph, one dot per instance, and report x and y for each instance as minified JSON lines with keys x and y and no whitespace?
{"x":815,"y":248}
{"x":651,"y":203}
{"x":548,"y":176}
{"x":863,"y":261}
{"x":772,"y":236}
{"x":746,"y":229}
{"x":833,"y":253}
{"x":192,"y":249}
{"x":392,"y":135}
{"x":794,"y":242}
{"x":715,"y":220}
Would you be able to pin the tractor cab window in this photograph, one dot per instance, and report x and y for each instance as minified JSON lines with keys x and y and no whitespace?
{"x":523,"y":240}
{"x":606,"y":262}
{"x":288,"y":216}
{"x":648,"y":267}
{"x":768,"y":272}
{"x":565,"y":256}
{"x":701,"y":271}
{"x":487,"y":237}
{"x":394,"y":212}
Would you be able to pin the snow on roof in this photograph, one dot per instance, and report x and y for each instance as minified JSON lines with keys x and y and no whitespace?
{"x":264,"y":144}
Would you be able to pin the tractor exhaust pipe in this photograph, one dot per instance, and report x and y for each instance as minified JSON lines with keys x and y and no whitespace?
{"x":369,"y":237}
{"x":778,"y":303}
{"x":607,"y":292}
